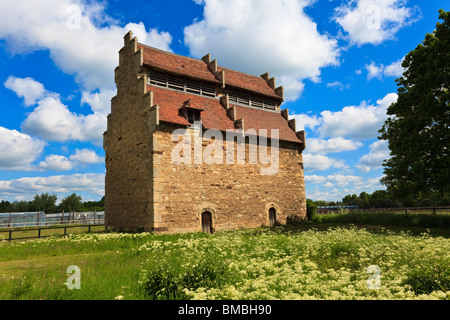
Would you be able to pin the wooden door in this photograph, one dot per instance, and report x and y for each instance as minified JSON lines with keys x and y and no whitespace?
{"x":206,"y":222}
{"x":272,"y":217}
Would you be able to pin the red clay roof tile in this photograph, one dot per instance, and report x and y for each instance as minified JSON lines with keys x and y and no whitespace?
{"x":176,"y":64}
{"x":214,"y":114}
{"x":263,"y":119}
{"x":194,"y":68}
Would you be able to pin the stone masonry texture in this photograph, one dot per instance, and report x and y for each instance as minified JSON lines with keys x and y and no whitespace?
{"x":146,"y":191}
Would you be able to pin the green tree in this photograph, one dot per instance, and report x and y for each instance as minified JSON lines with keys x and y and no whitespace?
{"x":365,"y":197}
{"x":20,"y":206}
{"x":44,"y":202}
{"x":5,"y":206}
{"x":311,"y":209}
{"x":418,"y":126}
{"x":71,"y":203}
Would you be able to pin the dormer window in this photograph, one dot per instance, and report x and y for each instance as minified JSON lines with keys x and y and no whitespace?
{"x":191,"y":112}
{"x":193,"y":115}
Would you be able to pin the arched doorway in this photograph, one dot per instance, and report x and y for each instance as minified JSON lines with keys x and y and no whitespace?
{"x":207,"y":222}
{"x":272,"y":217}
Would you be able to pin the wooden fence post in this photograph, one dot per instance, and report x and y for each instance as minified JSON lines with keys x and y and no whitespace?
{"x":9,"y":220}
{"x":10,"y":234}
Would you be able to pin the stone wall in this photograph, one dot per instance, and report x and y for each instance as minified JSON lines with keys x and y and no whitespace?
{"x":146,"y":190}
{"x":128,"y":144}
{"x":237,"y":195}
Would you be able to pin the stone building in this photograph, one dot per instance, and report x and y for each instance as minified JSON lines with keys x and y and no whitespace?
{"x":169,"y":112}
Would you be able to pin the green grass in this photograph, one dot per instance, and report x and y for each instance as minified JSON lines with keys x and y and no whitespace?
{"x":304,"y":261}
{"x":423,"y":220}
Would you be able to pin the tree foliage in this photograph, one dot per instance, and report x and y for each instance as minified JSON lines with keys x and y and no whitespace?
{"x":47,"y":203}
{"x":418,"y":126}
{"x":71,"y":203}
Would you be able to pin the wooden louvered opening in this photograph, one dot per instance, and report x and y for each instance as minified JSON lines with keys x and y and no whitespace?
{"x":251,"y":99}
{"x":181,"y":84}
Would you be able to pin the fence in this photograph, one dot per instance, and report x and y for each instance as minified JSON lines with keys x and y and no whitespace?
{"x":37,"y":219}
{"x":39,"y":229}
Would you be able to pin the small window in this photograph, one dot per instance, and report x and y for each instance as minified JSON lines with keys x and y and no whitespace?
{"x":193,"y":115}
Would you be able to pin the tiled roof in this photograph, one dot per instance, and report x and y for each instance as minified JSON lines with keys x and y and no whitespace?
{"x":180,"y":65}
{"x":170,"y":102}
{"x":214,"y":115}
{"x":195,"y":68}
{"x":262,"y":119}
{"x":247,"y":81}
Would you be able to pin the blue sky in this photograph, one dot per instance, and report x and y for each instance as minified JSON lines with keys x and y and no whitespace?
{"x":337,"y":60}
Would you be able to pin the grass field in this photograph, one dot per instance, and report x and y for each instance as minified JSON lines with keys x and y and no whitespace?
{"x":304,"y":261}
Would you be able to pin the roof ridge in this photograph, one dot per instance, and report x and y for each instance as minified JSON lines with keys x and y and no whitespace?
{"x":198,"y":60}
{"x":172,"y":53}
{"x":248,"y":74}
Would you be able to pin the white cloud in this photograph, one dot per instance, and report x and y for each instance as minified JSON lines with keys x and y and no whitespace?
{"x":373,"y":21}
{"x":56,"y":163}
{"x":52,"y":120}
{"x":394,"y":69}
{"x":358,"y":122}
{"x":303,"y":121}
{"x":99,"y":101}
{"x":83,"y":41}
{"x":338,"y":85}
{"x":84,"y":184}
{"x":344,"y":180}
{"x":27,"y":88}
{"x":332,"y":145}
{"x":314,"y":162}
{"x":379,"y":151}
{"x":314,"y":179}
{"x":339,"y":185}
{"x":374,"y":71}
{"x":86,"y":156}
{"x":277,"y":35}
{"x":18,"y":150}
{"x":81,"y":158}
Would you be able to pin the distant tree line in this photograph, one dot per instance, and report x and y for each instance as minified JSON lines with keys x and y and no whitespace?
{"x":47,"y":203}
{"x":385,"y":199}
